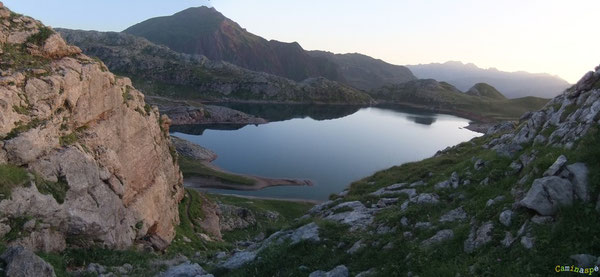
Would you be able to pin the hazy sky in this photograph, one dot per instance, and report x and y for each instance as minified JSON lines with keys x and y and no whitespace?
{"x":555,"y":36}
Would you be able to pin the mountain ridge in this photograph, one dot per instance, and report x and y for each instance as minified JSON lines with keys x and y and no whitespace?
{"x":228,"y":41}
{"x":512,"y":84}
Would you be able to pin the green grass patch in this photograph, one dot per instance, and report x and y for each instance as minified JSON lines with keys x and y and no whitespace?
{"x":58,"y":189}
{"x":21,"y":110}
{"x":69,"y":139}
{"x":16,"y":225}
{"x":568,"y":111}
{"x":11,"y":177}
{"x":193,"y":168}
{"x":127,"y":94}
{"x":22,"y":128}
{"x":40,"y":37}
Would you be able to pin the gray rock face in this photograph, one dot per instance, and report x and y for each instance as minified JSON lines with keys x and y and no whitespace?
{"x":478,"y":237}
{"x":579,"y":171}
{"x":528,"y":242}
{"x":394,"y":189}
{"x":541,"y":219}
{"x":358,"y":218}
{"x":454,"y":215}
{"x":186,"y":269}
{"x":506,"y":217}
{"x":454,"y":180}
{"x":308,"y":232}
{"x":357,"y":246}
{"x":547,"y":194}
{"x":4,"y":229}
{"x":508,"y":240}
{"x":370,"y":272}
{"x":208,"y":114}
{"x":192,"y":150}
{"x":555,"y":168}
{"x":501,"y":127}
{"x":440,"y":236}
{"x":497,"y":199}
{"x":479,"y":164}
{"x":584,"y":260}
{"x":21,"y":262}
{"x":233,"y":217}
{"x":239,"y":259}
{"x":442,"y":185}
{"x":427,"y":198}
{"x":338,"y":271}
{"x":423,"y":225}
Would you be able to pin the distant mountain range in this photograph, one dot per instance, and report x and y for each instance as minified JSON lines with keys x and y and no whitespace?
{"x":205,"y":31}
{"x":511,"y":84}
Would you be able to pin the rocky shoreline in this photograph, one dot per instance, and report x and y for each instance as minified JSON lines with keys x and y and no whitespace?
{"x":183,"y":112}
{"x":212,"y":176}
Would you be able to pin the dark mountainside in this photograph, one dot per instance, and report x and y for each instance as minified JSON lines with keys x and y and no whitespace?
{"x":511,"y":84}
{"x":364,"y":72}
{"x":157,"y":70}
{"x":205,"y":31}
{"x":482,"y":102}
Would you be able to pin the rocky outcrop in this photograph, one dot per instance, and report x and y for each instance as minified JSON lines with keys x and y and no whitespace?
{"x":21,"y":262}
{"x":101,"y":163}
{"x":192,"y":150}
{"x":209,"y":114}
{"x":338,"y":271}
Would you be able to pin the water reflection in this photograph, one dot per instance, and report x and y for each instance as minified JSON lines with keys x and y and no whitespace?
{"x":281,"y":112}
{"x":332,"y":153}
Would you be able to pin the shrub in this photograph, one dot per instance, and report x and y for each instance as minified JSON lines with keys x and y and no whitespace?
{"x":11,"y":176}
{"x":40,"y":37}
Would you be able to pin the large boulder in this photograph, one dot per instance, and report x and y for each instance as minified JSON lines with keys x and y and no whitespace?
{"x":186,"y":269}
{"x":478,"y":237}
{"x":338,"y":271}
{"x":439,"y":237}
{"x":547,"y":194}
{"x":21,"y":262}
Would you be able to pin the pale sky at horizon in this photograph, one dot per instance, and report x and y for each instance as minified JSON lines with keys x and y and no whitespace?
{"x":552,"y":36}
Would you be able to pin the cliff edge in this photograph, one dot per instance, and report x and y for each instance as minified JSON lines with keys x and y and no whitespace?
{"x":83,"y":160}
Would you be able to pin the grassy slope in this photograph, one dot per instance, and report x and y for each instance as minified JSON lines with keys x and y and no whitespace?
{"x":574,"y":232}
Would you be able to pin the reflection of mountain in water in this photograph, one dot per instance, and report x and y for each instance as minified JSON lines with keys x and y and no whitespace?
{"x":280,"y":112}
{"x":419,"y":116}
{"x":422,"y":119}
{"x":198,"y":129}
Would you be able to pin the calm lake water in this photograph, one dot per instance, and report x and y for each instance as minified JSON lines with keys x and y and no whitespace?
{"x":332,"y":146}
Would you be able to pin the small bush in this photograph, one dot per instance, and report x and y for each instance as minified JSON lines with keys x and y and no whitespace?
{"x":40,"y":37}
{"x":11,"y":176}
{"x":22,"y":128}
{"x":69,"y":139}
{"x":21,"y":110}
{"x":58,"y":189}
